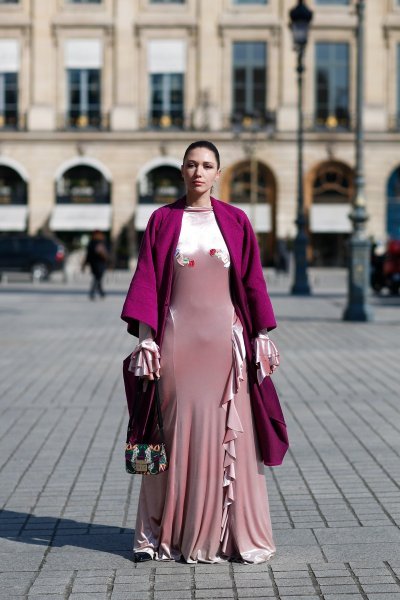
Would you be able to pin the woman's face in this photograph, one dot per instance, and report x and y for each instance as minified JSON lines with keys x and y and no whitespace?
{"x":200,"y":170}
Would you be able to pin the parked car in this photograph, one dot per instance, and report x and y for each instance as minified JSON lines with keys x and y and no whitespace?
{"x":37,"y":255}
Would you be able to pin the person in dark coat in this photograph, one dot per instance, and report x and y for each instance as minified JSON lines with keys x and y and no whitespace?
{"x":97,"y":258}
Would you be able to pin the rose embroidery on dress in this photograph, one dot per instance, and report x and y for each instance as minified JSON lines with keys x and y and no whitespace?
{"x":222,"y":255}
{"x":183,"y":260}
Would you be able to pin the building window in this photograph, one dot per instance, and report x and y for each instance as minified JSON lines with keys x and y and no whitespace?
{"x":166,"y":99}
{"x":84,"y":1}
{"x":332,"y":85}
{"x":8,"y":100}
{"x":397,"y":118}
{"x":9,"y":1}
{"x":84,"y":98}
{"x":166,"y":67}
{"x":333,"y":2}
{"x":9,"y":69}
{"x":393,"y":206}
{"x":250,"y":1}
{"x":167,"y":1}
{"x":249,"y":80}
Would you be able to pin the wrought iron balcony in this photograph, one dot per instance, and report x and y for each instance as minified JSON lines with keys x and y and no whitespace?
{"x":84,"y":122}
{"x":165,"y":122}
{"x":12,"y":121}
{"x":83,"y":198}
{"x":329,"y":123}
{"x":394,"y":122}
{"x":242,"y":122}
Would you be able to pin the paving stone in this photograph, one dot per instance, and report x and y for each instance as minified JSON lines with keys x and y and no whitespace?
{"x":384,"y":596}
{"x":214,"y":594}
{"x":349,"y":552}
{"x":259,"y":593}
{"x":174,"y":595}
{"x":340,"y":596}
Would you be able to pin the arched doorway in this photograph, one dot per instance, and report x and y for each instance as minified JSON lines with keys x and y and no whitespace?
{"x":83,"y":203}
{"x":393,"y":205}
{"x":13,"y":200}
{"x":159,"y":184}
{"x":251,"y":185}
{"x":329,"y":194}
{"x":83,"y":184}
{"x":163,"y":185}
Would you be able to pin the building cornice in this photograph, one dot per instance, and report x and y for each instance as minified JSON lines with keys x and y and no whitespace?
{"x":56,"y":137}
{"x":20,"y":23}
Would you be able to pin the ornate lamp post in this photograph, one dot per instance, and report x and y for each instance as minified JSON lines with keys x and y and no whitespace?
{"x":300,"y":19}
{"x":359,"y":264}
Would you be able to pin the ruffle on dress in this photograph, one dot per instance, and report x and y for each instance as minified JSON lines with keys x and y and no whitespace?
{"x":145,"y":358}
{"x":233,"y":426}
{"x":266,"y":356}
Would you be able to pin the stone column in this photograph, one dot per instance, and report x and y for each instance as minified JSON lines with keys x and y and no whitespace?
{"x":124,"y":114}
{"x":42,"y":114}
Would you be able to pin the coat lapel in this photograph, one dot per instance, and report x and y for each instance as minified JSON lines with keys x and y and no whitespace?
{"x":231,"y":231}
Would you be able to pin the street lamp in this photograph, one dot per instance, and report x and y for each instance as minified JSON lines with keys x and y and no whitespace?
{"x":300,"y":19}
{"x":359,"y":264}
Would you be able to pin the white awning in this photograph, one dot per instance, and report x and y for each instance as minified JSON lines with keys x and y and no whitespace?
{"x":13,"y":218}
{"x":9,"y":56}
{"x":143,"y":214}
{"x":83,"y":54}
{"x":167,"y":56}
{"x":259,"y":215}
{"x":262,"y":216}
{"x":82,"y":217}
{"x":330,"y":218}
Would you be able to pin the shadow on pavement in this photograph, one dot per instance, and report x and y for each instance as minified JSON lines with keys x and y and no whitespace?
{"x":26,"y":528}
{"x":57,"y":292}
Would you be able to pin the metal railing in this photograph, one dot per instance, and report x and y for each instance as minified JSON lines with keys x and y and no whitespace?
{"x":83,"y":199}
{"x":191,"y":122}
{"x":331,"y":123}
{"x":394,"y":122}
{"x":15,"y":122}
{"x":83,"y":122}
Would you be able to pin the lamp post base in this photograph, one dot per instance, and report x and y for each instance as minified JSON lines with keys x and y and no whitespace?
{"x":300,"y":286}
{"x":358,"y":312}
{"x":301,"y":289}
{"x":358,"y":283}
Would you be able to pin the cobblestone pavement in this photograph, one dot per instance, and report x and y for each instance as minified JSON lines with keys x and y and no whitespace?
{"x":68,"y":507}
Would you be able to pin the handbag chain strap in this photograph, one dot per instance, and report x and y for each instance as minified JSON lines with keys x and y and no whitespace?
{"x":159,"y":413}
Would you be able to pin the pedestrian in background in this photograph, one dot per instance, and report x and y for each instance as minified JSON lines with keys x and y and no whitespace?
{"x":97,"y":257}
{"x":199,"y":305}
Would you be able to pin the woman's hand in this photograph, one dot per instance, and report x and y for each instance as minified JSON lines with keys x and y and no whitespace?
{"x":151,"y":376}
{"x":266,"y":355}
{"x":145,"y":360}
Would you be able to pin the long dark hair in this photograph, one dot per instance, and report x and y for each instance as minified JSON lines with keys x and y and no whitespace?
{"x":203,"y":144}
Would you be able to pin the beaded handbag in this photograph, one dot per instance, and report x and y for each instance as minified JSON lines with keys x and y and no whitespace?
{"x":142,"y":458}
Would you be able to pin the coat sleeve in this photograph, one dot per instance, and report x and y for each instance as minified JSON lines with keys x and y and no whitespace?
{"x":141,"y":300}
{"x":258,"y":300}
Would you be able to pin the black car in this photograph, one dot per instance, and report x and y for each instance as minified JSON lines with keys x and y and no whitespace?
{"x":37,"y":255}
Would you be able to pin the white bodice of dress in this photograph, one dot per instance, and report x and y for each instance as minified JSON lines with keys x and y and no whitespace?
{"x":200,"y":232}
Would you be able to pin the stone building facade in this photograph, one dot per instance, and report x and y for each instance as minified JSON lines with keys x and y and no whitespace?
{"x":99,"y":99}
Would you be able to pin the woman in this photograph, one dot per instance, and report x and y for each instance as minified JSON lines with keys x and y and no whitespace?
{"x":197,"y":300}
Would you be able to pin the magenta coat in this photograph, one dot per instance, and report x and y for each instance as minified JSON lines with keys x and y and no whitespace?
{"x":149,"y":296}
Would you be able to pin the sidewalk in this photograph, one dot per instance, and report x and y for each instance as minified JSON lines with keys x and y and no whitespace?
{"x":69,"y":507}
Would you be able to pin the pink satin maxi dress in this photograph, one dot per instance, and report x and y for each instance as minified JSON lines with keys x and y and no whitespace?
{"x":211,"y":505}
